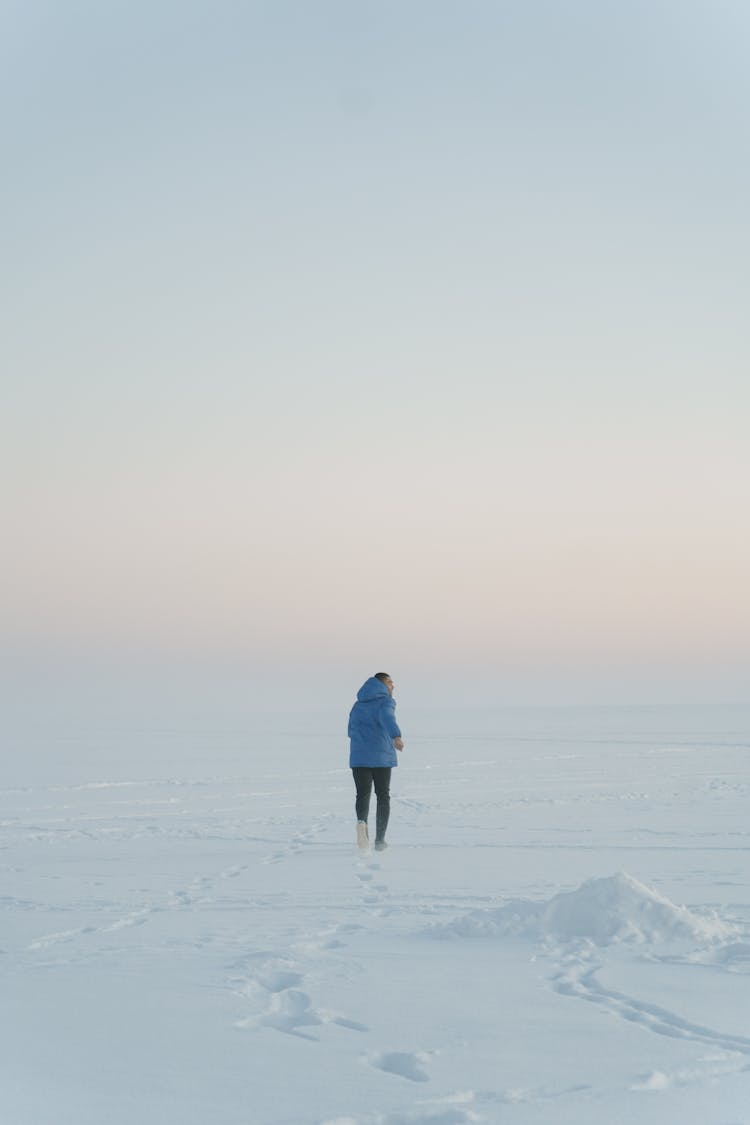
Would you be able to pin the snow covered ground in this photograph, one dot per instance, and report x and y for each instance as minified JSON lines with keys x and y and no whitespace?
{"x":559,"y":932}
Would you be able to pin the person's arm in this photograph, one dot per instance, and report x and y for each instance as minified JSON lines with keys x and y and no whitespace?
{"x":388,"y":719}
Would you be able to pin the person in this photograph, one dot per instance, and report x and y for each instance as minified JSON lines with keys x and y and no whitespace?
{"x":374,"y":738}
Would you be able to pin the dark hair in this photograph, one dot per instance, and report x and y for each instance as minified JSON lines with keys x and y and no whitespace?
{"x":382,"y":676}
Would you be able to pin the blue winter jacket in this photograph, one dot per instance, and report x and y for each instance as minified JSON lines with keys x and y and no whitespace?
{"x":373,"y":726}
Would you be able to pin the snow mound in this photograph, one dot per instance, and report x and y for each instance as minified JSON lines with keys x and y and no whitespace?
{"x":604,"y":911}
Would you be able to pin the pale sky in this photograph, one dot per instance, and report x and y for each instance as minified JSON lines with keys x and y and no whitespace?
{"x":362,"y":336}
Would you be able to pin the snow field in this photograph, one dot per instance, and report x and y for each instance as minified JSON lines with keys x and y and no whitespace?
{"x":559,"y":932}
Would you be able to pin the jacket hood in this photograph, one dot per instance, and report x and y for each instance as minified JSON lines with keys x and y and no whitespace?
{"x":372,"y":689}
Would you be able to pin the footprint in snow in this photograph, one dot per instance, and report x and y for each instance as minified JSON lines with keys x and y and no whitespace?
{"x":181,"y":897}
{"x":137,"y":918}
{"x":277,"y":980}
{"x":281,"y":1004}
{"x":276,"y":857}
{"x":289,"y":1011}
{"x":298,"y":842}
{"x":48,"y":940}
{"x":405,"y":1064}
{"x":292,"y":1009}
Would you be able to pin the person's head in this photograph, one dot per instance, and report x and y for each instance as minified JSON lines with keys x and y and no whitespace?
{"x":385,"y":679}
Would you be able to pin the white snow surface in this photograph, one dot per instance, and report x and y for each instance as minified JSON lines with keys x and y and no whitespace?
{"x":558,"y":933}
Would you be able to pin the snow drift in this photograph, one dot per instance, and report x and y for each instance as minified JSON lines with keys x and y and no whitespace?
{"x":608,"y":910}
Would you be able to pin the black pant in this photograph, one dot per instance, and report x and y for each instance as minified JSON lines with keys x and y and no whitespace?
{"x":364,"y":777}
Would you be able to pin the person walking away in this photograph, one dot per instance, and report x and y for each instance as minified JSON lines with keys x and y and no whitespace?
{"x":374,"y":739}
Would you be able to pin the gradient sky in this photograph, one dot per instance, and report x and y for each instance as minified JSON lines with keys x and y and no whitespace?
{"x":381,"y":335}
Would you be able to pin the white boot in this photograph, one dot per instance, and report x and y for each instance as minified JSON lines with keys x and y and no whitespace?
{"x":363,"y":840}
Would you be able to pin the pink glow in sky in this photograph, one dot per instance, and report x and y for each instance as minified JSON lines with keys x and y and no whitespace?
{"x":402,"y":331}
